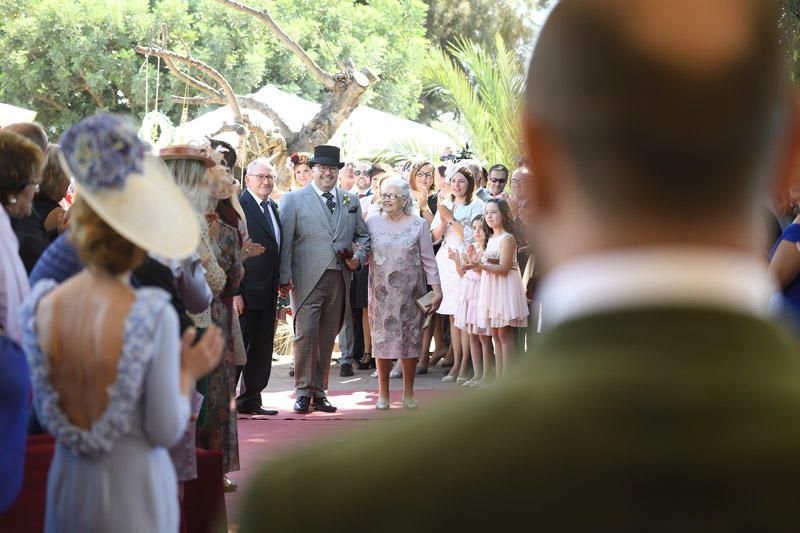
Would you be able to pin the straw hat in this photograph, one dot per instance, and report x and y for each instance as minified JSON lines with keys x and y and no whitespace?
{"x":128,"y":187}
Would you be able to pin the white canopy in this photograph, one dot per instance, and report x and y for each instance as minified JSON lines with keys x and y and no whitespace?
{"x":10,"y":114}
{"x":367,"y":131}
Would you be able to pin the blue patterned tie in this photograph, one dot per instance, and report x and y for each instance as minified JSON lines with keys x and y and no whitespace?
{"x":329,"y":201}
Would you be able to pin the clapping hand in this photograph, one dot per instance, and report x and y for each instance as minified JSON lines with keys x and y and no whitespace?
{"x":445,"y":213}
{"x":454,"y":256}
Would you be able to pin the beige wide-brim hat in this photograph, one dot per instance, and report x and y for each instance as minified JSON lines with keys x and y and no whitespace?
{"x":151,"y":212}
{"x":144,"y":206}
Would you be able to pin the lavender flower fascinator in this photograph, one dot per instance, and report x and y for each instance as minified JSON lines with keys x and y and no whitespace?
{"x":128,"y":187}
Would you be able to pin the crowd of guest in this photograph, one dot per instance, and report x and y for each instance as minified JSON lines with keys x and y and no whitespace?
{"x":140,"y":294}
{"x":379,"y":262}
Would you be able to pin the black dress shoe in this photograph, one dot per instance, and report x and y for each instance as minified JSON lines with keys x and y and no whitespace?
{"x":322,"y":404}
{"x":302,"y":404}
{"x":256,"y":411}
{"x":346,"y":371}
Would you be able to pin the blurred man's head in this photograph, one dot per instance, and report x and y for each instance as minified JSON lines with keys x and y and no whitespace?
{"x":677,"y":136}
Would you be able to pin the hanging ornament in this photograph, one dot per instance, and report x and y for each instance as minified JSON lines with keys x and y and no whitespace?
{"x":157,"y":129}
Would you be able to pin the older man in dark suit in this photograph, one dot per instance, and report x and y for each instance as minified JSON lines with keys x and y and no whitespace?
{"x":659,"y":397}
{"x":259,"y":287}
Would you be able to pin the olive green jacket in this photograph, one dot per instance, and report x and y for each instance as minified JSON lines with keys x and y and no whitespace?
{"x":649,"y":420}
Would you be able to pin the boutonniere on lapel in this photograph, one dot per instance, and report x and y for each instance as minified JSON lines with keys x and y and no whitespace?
{"x":346,"y":203}
{"x":276,"y":208}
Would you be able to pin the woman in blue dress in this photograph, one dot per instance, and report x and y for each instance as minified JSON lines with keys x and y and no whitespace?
{"x":111,"y":375}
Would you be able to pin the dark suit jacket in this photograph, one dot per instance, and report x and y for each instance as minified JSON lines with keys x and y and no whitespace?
{"x":260,"y":283}
{"x":649,"y":420}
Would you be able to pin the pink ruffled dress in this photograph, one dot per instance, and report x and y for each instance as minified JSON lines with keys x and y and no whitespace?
{"x":466,"y":317}
{"x":501,"y":300}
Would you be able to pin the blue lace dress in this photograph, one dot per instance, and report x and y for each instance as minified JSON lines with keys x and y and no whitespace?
{"x":117,"y":475}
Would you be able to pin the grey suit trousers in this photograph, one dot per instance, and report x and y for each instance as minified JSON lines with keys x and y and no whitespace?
{"x":316,"y":323}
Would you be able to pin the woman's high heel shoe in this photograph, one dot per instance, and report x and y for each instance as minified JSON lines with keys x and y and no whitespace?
{"x":366,"y":362}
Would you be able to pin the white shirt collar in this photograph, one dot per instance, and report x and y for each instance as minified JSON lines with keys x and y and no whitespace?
{"x":658,"y":275}
{"x":320,"y":193}
{"x":256,"y":198}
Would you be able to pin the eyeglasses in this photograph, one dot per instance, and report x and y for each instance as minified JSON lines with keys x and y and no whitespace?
{"x":498,"y":180}
{"x":324,"y":168}
{"x":360,"y":172}
{"x":391,"y":196}
{"x":424,"y":174}
{"x":518,"y":182}
{"x":262,"y":177}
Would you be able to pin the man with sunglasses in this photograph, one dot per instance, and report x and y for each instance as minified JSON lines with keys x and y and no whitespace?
{"x":498,"y":178}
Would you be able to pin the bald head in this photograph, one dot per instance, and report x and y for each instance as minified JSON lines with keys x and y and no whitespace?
{"x":662,"y":106}
{"x":32,"y":131}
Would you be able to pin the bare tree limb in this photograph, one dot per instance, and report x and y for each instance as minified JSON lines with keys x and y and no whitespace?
{"x":185,"y":76}
{"x":197,"y":100}
{"x":261,"y":107}
{"x":263,"y":15}
{"x":230,"y":97}
{"x":52,"y":103}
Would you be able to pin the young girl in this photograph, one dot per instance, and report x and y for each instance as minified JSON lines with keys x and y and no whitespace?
{"x":477,"y":341}
{"x":501,"y":304}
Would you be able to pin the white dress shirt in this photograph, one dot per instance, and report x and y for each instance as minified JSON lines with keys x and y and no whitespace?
{"x":320,"y":193}
{"x":643,"y":277}
{"x":276,"y":229}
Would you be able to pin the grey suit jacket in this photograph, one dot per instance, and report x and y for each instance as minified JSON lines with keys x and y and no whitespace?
{"x":311,"y":241}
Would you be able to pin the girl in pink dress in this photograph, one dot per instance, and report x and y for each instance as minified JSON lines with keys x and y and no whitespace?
{"x":501,"y":303}
{"x":479,"y":341}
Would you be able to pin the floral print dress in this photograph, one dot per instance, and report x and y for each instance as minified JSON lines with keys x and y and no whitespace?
{"x":217,"y":431}
{"x":401,"y":267}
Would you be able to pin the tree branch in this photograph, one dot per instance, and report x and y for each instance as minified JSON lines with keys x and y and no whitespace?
{"x":261,"y":107}
{"x":263,"y":15}
{"x":52,"y":103}
{"x":197,"y":100}
{"x":97,"y":97}
{"x":230,"y":97}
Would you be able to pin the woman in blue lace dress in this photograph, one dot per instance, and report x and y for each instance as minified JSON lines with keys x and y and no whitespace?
{"x":111,"y":376}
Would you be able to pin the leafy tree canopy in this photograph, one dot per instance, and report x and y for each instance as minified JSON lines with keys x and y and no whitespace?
{"x":67,"y":60}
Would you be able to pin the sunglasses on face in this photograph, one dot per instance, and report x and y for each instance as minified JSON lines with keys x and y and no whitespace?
{"x":498,"y":180}
{"x":425,"y":175}
{"x":361,"y":172}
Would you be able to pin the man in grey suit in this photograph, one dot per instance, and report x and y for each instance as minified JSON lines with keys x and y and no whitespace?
{"x":321,"y":223}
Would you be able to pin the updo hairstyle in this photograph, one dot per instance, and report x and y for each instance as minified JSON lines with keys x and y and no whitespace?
{"x":98,"y":245}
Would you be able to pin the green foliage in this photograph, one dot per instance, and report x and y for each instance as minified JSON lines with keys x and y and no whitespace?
{"x":486,"y":87}
{"x":478,"y":21}
{"x":67,"y":60}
